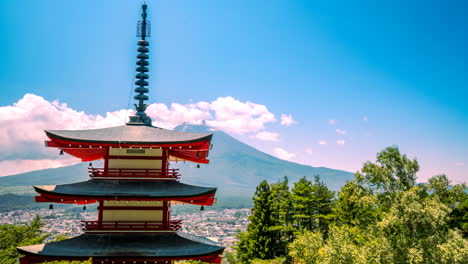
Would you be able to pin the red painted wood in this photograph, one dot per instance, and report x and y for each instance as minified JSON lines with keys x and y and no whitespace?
{"x":165,"y":159}
{"x":100,"y":208}
{"x":103,"y":226}
{"x":131,"y":207}
{"x":106,"y":161}
{"x":171,"y":174}
{"x":165,"y":212}
{"x":63,"y":143}
{"x":136,"y":157}
{"x":30,"y":259}
{"x":88,"y":151}
{"x":206,"y":200}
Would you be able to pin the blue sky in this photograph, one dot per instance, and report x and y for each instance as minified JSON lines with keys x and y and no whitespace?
{"x":399,"y":65}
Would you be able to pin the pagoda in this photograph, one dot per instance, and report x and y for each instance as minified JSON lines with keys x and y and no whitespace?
{"x":134,"y":189}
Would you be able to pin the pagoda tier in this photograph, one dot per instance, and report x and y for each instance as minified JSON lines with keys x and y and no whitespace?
{"x":99,"y":190}
{"x":135,"y":188}
{"x":125,"y":248}
{"x":94,"y":144}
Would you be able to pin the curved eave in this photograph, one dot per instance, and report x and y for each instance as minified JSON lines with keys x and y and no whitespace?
{"x":129,"y":135}
{"x":89,"y":145}
{"x":98,"y":190}
{"x":125,"y":246}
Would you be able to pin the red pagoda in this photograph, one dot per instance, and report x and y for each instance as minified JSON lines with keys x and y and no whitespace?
{"x":134,"y":189}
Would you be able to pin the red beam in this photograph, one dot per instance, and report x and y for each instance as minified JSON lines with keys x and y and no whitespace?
{"x":206,"y":200}
{"x":100,"y":208}
{"x":117,"y":208}
{"x":136,"y":157}
{"x":170,"y":226}
{"x":134,"y":173}
{"x":89,"y":151}
{"x":61,"y":143}
{"x":29,"y":259}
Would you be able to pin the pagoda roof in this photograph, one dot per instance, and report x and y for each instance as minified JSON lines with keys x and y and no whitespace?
{"x":93,"y":144}
{"x":94,"y":190}
{"x":129,"y":134}
{"x":130,"y":245}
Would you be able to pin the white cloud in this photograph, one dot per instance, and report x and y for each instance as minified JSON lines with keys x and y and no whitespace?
{"x":234,"y":116}
{"x":287,"y":120}
{"x":267,"y":136}
{"x":283,"y":154}
{"x":23,"y":123}
{"x":309,"y":151}
{"x":365,"y":119}
{"x":340,"y":142}
{"x":342,"y":132}
{"x":460,"y":164}
{"x":178,"y":114}
{"x":331,"y":121}
{"x":322,"y":142}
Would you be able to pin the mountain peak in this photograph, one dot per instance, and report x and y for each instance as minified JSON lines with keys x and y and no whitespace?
{"x":235,"y":168}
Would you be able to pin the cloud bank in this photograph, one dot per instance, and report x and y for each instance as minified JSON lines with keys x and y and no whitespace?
{"x":23,"y":125}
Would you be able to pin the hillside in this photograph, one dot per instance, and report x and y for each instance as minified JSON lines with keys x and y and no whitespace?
{"x":235,"y":168}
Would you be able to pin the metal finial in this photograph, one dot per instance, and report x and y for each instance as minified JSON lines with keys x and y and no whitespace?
{"x":143,"y":31}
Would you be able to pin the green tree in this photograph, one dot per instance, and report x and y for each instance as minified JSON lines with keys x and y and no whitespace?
{"x":282,"y":215}
{"x":323,"y":204}
{"x":392,"y":173}
{"x":303,"y":202}
{"x":455,"y":197}
{"x":12,"y":236}
{"x":384,"y":217}
{"x":305,"y":248}
{"x":312,"y":203}
{"x":356,"y":206}
{"x":258,"y":241}
{"x":270,"y":261}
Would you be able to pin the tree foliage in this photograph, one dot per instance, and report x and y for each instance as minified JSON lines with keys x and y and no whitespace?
{"x":303,"y":204}
{"x":282,"y":215}
{"x":12,"y":236}
{"x":382,"y":216}
{"x":258,"y":241}
{"x":308,"y":206}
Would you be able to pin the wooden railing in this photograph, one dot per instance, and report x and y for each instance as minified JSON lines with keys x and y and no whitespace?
{"x":170,"y":226}
{"x":149,"y":174}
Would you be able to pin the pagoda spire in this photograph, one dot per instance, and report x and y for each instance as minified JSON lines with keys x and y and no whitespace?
{"x":143,"y":31}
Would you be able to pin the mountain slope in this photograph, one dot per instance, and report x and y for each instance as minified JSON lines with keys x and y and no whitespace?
{"x":235,"y":168}
{"x":22,"y":183}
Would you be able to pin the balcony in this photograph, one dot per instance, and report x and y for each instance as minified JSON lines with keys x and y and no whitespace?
{"x":133,"y":174}
{"x":131,"y":226}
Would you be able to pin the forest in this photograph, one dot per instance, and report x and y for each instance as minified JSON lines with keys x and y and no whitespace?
{"x":381,"y":216}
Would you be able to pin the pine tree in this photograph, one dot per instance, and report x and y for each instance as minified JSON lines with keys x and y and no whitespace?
{"x":323,"y":204}
{"x":282,"y":217}
{"x":258,"y":241}
{"x":303,"y":202}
